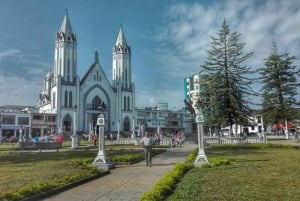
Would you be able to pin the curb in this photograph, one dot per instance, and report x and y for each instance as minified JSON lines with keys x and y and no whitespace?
{"x":60,"y":189}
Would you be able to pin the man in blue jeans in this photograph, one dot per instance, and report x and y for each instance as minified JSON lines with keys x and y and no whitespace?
{"x":147,"y":143}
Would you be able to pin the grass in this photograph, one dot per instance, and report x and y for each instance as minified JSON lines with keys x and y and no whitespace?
{"x":259,"y":172}
{"x":18,"y":169}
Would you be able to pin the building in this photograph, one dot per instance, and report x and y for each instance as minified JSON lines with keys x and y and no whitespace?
{"x":194,"y":87}
{"x":14,"y":122}
{"x":75,"y":100}
{"x":160,"y":119}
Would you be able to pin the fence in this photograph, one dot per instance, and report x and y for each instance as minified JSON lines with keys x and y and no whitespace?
{"x":136,"y":141}
{"x":194,"y":140}
{"x":234,"y":140}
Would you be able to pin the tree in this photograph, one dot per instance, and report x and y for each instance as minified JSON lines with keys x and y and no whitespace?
{"x":279,"y":87}
{"x":228,"y":84}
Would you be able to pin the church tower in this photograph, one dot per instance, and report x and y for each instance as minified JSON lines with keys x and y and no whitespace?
{"x":122,"y":81}
{"x":64,"y":93}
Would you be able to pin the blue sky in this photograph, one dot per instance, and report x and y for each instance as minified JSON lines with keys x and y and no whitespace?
{"x":168,"y":39}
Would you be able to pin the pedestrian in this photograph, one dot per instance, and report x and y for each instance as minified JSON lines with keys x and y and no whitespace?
{"x":178,"y":138}
{"x":59,"y":139}
{"x":95,"y":139}
{"x":111,"y":137}
{"x":46,"y":138}
{"x":36,"y":139}
{"x":147,"y":143}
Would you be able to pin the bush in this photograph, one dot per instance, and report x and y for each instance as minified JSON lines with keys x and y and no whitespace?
{"x":167,"y":184}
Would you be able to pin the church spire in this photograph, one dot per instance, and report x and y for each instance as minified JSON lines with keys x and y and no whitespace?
{"x":121,"y":62}
{"x":66,"y":25}
{"x":65,"y":56}
{"x":121,"y":38}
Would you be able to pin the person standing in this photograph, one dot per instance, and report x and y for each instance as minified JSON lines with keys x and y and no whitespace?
{"x":36,"y":139}
{"x":59,"y":139}
{"x":178,"y":138}
{"x":95,"y":139}
{"x":147,"y":143}
{"x":46,"y":138}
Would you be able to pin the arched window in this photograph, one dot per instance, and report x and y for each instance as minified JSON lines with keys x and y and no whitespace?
{"x":70,"y":99}
{"x":96,"y":102}
{"x":66,"y":98}
{"x":124,"y":103}
{"x":68,"y":75}
{"x":128,"y":103}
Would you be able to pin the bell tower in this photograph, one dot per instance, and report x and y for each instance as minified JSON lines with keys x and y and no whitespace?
{"x":121,"y":72}
{"x":122,"y":82}
{"x":65,"y":85}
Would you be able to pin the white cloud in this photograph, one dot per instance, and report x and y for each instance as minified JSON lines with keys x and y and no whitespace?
{"x":16,"y":90}
{"x":7,"y":53}
{"x":188,"y":27}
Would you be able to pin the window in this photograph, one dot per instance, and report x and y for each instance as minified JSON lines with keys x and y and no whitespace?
{"x":70,"y":99}
{"x":128,"y":103}
{"x":50,"y":118}
{"x":37,"y":117}
{"x":259,"y":119}
{"x":8,"y":119}
{"x":66,"y":98}
{"x":96,"y":102}
{"x":23,"y":120}
{"x":125,"y":103}
{"x":68,"y":76}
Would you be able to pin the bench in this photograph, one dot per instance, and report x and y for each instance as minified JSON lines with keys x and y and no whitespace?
{"x":26,"y":144}
{"x":48,"y":145}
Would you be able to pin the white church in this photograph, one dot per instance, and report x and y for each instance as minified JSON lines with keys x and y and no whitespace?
{"x":75,"y":100}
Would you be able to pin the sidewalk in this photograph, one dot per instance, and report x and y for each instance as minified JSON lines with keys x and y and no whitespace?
{"x":127,"y":182}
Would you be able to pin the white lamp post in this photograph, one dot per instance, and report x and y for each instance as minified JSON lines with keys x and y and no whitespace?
{"x":74,"y":137}
{"x":101,"y":161}
{"x":118,"y":136}
{"x":286,"y":131}
{"x":201,"y":157}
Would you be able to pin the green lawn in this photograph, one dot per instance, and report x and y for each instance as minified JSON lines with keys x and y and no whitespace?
{"x":258,"y":172}
{"x":32,"y":169}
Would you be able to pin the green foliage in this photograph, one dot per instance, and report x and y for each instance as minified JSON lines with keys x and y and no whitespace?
{"x":127,"y":158}
{"x":216,"y":162}
{"x":279,"y":87}
{"x":57,"y":168}
{"x":243,"y":172}
{"x":132,"y":157}
{"x":166,"y":185}
{"x":228,"y":83}
{"x":35,"y":188}
{"x":192,"y":156}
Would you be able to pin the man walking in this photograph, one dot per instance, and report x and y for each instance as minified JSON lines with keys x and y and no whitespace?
{"x":147,"y":143}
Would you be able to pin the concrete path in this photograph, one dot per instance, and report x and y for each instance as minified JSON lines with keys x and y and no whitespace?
{"x":127,"y":182}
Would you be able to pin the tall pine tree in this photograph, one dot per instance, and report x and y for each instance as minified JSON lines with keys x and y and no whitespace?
{"x":279,"y":87}
{"x":228,"y":85}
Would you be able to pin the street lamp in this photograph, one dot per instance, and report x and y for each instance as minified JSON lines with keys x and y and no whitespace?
{"x":74,"y":137}
{"x":133,"y":132}
{"x":118,"y":135}
{"x":101,"y":161}
{"x":201,"y":157}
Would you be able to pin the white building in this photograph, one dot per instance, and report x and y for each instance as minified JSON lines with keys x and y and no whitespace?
{"x":75,"y":100}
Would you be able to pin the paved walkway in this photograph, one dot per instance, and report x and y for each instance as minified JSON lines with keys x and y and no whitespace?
{"x":127,"y":182}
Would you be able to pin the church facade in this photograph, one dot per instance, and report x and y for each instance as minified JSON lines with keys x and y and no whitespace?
{"x":76,"y":100}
